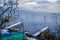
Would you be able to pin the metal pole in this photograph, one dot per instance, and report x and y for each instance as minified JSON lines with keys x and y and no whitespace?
{"x":57,"y":26}
{"x":20,"y":18}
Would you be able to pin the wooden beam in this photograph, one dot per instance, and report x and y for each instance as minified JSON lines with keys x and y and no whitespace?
{"x":37,"y":33}
{"x":14,"y":25}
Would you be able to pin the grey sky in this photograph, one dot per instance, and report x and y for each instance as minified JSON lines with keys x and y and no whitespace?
{"x":40,"y":5}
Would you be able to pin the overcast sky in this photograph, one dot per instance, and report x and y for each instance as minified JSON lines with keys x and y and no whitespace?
{"x":40,"y":5}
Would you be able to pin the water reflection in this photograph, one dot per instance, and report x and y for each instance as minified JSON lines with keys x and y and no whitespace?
{"x":35,"y":22}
